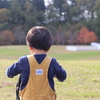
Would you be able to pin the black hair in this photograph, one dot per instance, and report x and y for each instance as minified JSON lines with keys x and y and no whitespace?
{"x":40,"y":38}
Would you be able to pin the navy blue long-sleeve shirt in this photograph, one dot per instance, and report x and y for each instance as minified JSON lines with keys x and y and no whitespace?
{"x":22,"y":67}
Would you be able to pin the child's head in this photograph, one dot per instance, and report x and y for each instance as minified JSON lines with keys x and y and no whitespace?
{"x":39,"y":38}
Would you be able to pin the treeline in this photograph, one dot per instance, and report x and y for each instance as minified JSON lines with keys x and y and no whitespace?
{"x":70,"y":21}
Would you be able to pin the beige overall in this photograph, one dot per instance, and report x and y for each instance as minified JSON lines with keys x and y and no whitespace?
{"x":38,"y":87}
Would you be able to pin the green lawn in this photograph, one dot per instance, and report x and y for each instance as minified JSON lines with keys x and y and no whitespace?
{"x":83,"y":68}
{"x":83,"y":82}
{"x":59,"y":52}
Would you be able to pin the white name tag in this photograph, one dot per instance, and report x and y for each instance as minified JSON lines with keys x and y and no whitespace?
{"x":39,"y":71}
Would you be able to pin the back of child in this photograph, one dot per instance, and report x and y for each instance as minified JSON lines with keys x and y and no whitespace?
{"x":37,"y":70}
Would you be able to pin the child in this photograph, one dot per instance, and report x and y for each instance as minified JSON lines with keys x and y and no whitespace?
{"x":38,"y":69}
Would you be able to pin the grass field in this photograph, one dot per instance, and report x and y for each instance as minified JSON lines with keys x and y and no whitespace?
{"x":83,"y":68}
{"x":59,"y":52}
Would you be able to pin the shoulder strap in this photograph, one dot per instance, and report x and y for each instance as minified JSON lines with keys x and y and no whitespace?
{"x":18,"y":87}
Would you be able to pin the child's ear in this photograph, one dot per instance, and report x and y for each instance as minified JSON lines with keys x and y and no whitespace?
{"x":30,"y":48}
{"x":49,"y":48}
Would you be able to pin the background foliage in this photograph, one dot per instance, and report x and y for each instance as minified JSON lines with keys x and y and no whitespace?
{"x":65,"y":19}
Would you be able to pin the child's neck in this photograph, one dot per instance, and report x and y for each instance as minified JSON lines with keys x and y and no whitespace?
{"x":37,"y":51}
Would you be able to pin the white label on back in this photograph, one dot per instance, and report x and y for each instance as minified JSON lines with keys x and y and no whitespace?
{"x":39,"y":71}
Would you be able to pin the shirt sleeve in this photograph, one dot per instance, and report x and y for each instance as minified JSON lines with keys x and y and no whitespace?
{"x":60,"y":74}
{"x":15,"y":68}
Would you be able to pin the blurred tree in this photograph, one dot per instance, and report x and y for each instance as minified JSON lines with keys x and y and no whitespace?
{"x":39,"y":4}
{"x":4,"y":15}
{"x":41,"y":18}
{"x":58,"y":5}
{"x":70,"y":36}
{"x":30,"y":15}
{"x":63,"y":17}
{"x":6,"y":37}
{"x":60,"y":36}
{"x":51,"y":14}
{"x":22,"y":3}
{"x":20,"y":37}
{"x":85,"y":36}
{"x":4,"y":19}
{"x":16,"y":16}
{"x":4,"y":4}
